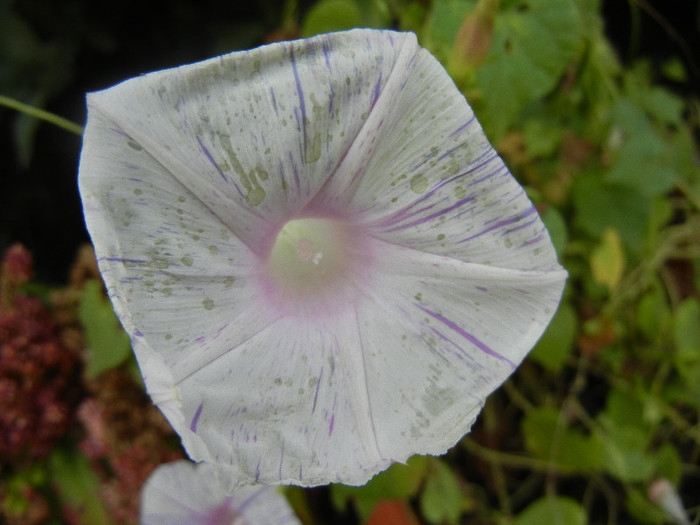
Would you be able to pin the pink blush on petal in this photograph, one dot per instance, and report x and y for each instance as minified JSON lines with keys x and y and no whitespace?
{"x":315,"y":267}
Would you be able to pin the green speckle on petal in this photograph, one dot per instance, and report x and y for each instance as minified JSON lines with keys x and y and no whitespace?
{"x":228,"y":282}
{"x":134,"y":145}
{"x":187,"y":260}
{"x":137,"y":191}
{"x":158,"y":264}
{"x":208,"y":304}
{"x":313,"y":151}
{"x":213,"y":250}
{"x":419,"y":184}
{"x":255,"y":196}
{"x":440,"y":236}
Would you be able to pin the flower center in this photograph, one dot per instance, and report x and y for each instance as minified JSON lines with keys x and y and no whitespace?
{"x":315,"y":261}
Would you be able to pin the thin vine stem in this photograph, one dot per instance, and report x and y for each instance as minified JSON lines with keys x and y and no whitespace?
{"x":41,"y":114}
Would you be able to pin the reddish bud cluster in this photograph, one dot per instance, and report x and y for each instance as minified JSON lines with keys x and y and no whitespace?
{"x":39,"y":377}
{"x":129,"y":436}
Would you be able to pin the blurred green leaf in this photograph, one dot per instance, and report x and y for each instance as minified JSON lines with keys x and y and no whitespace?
{"x":644,"y":161}
{"x":643,"y":510}
{"x":608,"y":260}
{"x":533,"y":42}
{"x":442,"y":500}
{"x":686,"y":332}
{"x":669,"y":464}
{"x":626,"y":437}
{"x":556,"y":226}
{"x":552,"y":511}
{"x":78,"y":486}
{"x":107,"y":344}
{"x":654,"y":313}
{"x":397,"y":482}
{"x":600,"y":206}
{"x":548,"y":437}
{"x":542,"y":137}
{"x":626,"y":457}
{"x":331,"y":15}
{"x":555,"y":345}
{"x":446,"y":17}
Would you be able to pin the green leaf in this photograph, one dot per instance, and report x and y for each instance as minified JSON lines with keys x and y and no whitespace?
{"x":331,"y":15}
{"x":608,"y":260}
{"x":549,"y":438}
{"x":542,"y":137}
{"x":624,"y":409}
{"x":533,"y":42}
{"x":642,"y":510}
{"x":669,"y":464}
{"x":446,"y":18}
{"x":397,"y":482}
{"x":442,"y":500}
{"x":556,"y":344}
{"x":627,"y":434}
{"x":107,"y":344}
{"x":644,"y":161}
{"x":625,"y":453}
{"x":686,"y":332}
{"x":552,"y":511}
{"x":78,"y":486}
{"x":600,"y":206}
{"x":556,"y":226}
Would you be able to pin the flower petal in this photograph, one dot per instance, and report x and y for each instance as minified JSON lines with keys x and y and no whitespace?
{"x":185,"y":493}
{"x":188,"y":176}
{"x":457,"y":331}
{"x":255,"y":134}
{"x":288,"y":406}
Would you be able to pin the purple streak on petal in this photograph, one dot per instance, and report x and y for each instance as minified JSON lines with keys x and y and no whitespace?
{"x":403,"y":214}
{"x":500,"y":224}
{"x":521,"y":226}
{"x":318,"y":385}
{"x":330,"y":428}
{"x":211,"y":159}
{"x":482,"y":288}
{"x":500,"y":169}
{"x":463,"y":126}
{"x":330,"y":82}
{"x":274,"y":100}
{"x":279,"y":473}
{"x":257,"y":471}
{"x":433,"y":215}
{"x":377,"y":89}
{"x":461,"y":355}
{"x":284,"y":180}
{"x":195,"y":419}
{"x":118,"y":259}
{"x":469,"y":337}
{"x":250,"y":499}
{"x":138,"y":333}
{"x":294,"y":170}
{"x":534,"y":240}
{"x":296,"y":118}
{"x":300,"y":471}
{"x":302,"y":105}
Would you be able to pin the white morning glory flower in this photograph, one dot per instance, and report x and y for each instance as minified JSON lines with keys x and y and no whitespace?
{"x":186,"y":493}
{"x":323,"y":264}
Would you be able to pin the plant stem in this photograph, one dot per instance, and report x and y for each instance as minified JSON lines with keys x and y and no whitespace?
{"x":41,"y":114}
